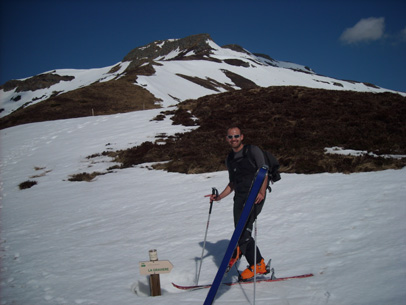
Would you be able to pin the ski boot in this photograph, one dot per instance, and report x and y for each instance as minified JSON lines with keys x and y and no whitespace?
{"x":248,"y":273}
{"x":235,"y":258}
{"x":262,"y":269}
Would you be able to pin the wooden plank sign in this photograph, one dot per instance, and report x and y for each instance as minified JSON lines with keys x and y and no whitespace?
{"x":155,"y":267}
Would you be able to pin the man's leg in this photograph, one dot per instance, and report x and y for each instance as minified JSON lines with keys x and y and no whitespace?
{"x":247,"y":242}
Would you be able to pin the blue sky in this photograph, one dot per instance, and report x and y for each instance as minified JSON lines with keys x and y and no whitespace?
{"x":354,"y":40}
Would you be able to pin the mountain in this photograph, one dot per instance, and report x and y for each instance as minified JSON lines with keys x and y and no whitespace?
{"x":66,"y":242}
{"x":283,"y":107}
{"x":160,"y":74}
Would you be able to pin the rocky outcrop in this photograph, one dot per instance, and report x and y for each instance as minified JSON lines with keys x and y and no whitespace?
{"x":41,"y":81}
{"x":191,"y":47}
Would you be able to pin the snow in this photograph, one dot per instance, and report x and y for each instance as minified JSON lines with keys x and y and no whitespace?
{"x":68,"y":242}
{"x":351,"y":152}
{"x":170,"y":55}
{"x":82,"y":78}
{"x":166,"y":85}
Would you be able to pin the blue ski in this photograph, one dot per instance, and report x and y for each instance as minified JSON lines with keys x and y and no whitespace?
{"x":255,"y":187}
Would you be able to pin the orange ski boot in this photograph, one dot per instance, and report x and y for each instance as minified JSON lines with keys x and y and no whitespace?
{"x":249,"y":272}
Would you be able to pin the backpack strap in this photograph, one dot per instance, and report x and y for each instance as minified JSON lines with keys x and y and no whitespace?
{"x":253,"y":162}
{"x":230,"y":157}
{"x":248,"y":153}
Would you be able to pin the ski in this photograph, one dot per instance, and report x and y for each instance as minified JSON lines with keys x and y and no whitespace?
{"x":255,"y":187}
{"x":259,"y":280}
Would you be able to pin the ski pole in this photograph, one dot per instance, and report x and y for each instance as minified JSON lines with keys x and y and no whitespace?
{"x":214,"y":191}
{"x":255,"y":255}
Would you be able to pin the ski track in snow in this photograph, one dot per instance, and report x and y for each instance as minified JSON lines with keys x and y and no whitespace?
{"x":80,"y":243}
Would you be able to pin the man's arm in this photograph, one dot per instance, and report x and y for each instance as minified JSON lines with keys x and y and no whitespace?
{"x":260,"y":161}
{"x":262,"y":191}
{"x":227,"y":191}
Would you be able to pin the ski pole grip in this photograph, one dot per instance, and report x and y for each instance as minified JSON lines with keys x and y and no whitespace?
{"x":214,"y":191}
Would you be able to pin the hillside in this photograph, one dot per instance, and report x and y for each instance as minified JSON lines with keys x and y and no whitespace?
{"x":67,"y":243}
{"x":295,"y":123}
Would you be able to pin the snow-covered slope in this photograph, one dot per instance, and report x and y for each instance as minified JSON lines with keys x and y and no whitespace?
{"x":167,"y":85}
{"x":183,"y":69}
{"x":11,"y":100}
{"x":80,"y":243}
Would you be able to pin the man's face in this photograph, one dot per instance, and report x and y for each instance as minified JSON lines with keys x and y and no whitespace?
{"x":234,"y":138}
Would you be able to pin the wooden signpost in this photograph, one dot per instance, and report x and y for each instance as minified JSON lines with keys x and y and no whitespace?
{"x":154,"y":268}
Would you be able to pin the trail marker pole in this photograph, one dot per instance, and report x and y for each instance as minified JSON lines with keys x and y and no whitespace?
{"x":153,"y":268}
{"x":154,"y":280}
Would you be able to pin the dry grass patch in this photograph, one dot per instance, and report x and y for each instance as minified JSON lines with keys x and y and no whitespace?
{"x":27,"y":184}
{"x":116,"y":96}
{"x":294,"y":123}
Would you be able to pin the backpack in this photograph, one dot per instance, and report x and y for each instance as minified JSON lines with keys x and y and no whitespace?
{"x":270,"y":161}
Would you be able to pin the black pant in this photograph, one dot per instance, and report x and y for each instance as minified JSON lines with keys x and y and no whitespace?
{"x":247,"y":242}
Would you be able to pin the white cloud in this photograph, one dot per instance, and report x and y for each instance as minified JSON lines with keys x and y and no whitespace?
{"x":368,"y":29}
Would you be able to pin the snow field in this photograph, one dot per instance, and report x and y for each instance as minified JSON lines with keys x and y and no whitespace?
{"x":80,"y":243}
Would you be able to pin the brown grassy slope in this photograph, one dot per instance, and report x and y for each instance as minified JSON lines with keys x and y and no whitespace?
{"x":294,"y":123}
{"x":116,"y":96}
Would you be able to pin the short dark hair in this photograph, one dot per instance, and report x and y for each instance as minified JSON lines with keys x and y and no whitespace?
{"x":234,"y":126}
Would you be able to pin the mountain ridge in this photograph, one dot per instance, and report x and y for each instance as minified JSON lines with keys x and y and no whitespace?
{"x":159,"y":74}
{"x":194,"y":43}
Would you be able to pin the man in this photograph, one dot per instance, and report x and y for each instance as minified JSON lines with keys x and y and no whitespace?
{"x":242,"y":172}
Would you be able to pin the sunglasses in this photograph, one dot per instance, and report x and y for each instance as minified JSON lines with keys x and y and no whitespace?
{"x":236,"y":136}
